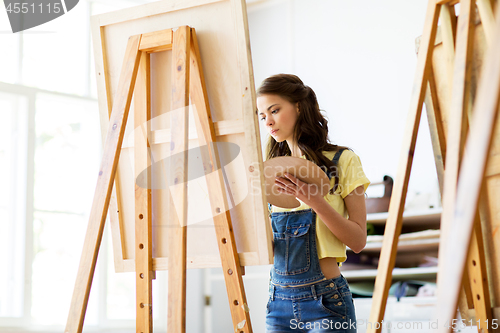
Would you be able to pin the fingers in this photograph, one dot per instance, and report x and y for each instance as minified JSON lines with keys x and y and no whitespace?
{"x":287,"y":191}
{"x":292,"y":178}
{"x":285,"y":185}
{"x":289,"y":185}
{"x":283,"y":181}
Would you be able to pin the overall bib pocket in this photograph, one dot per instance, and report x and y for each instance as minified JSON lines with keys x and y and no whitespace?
{"x":291,"y":244}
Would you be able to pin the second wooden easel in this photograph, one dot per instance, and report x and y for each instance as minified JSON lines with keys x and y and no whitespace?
{"x":448,"y":145}
{"x":187,"y":83}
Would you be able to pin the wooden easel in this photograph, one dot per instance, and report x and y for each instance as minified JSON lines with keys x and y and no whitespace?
{"x":459,"y":207}
{"x":187,"y":82}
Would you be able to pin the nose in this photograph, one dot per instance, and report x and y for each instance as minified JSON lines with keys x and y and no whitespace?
{"x":269,"y":121}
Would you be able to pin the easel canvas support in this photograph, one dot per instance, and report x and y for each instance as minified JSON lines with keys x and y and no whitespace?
{"x":448,"y":145}
{"x":224,"y":27}
{"x":143,"y":217}
{"x":187,"y":82}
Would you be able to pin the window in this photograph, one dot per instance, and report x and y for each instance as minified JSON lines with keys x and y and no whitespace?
{"x":67,"y":150}
{"x":13,"y":154}
{"x":50,"y":151}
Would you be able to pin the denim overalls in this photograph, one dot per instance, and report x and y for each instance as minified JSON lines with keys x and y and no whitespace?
{"x":301,"y":298}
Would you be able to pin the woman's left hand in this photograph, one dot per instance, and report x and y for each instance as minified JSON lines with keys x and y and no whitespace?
{"x":307,"y":193}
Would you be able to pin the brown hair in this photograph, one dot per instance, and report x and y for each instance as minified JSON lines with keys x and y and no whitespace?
{"x":311,"y":128}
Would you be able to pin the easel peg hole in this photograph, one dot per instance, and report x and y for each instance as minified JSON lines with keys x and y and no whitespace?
{"x":141,"y":305}
{"x":230,"y":271}
{"x":478,"y":297}
{"x":473,"y":262}
{"x":236,"y":302}
{"x":141,"y":216}
{"x":224,"y":241}
{"x":141,"y":246}
{"x":217,"y":210}
{"x":141,"y":275}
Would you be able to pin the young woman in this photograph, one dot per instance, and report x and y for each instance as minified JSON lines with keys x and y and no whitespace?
{"x":307,"y":291}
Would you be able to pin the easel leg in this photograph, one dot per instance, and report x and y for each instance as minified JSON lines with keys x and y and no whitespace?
{"x":394,"y":221}
{"x":448,"y":29}
{"x":438,"y":139}
{"x":220,"y":210}
{"x":457,"y":130}
{"x":487,"y":19}
{"x":457,"y":127}
{"x":476,"y":270}
{"x":104,"y":187}
{"x":436,"y":128}
{"x":143,"y":243}
{"x":178,"y":173}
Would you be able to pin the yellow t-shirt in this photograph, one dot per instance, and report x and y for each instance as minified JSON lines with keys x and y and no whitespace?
{"x":351,"y":175}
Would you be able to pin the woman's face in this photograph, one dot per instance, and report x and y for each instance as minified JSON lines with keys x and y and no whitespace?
{"x":278,"y":115}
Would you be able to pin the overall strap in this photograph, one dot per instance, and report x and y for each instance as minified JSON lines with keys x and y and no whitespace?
{"x":335,"y":161}
{"x":335,"y":173}
{"x":336,"y":158}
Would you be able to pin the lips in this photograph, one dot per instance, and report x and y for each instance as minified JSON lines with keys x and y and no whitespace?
{"x":273,"y":132}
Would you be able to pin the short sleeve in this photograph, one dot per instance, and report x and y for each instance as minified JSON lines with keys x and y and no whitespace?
{"x":351,"y":173}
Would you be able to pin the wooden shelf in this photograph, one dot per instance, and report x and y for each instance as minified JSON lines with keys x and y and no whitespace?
{"x":419,"y":241}
{"x":415,"y":241}
{"x":406,"y":246}
{"x":410,"y":218}
{"x":397,"y":273}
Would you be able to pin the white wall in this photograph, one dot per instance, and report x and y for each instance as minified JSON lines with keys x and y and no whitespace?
{"x":359,"y":57}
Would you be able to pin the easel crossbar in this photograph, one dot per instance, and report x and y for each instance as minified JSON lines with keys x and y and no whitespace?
{"x":157,"y":41}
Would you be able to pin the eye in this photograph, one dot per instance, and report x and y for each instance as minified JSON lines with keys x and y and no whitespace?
{"x":262,"y":118}
{"x":275,"y":111}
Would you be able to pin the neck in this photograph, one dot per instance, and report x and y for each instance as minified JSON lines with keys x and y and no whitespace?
{"x":294,"y":148}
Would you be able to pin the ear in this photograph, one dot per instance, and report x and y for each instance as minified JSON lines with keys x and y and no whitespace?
{"x":297,"y":107}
